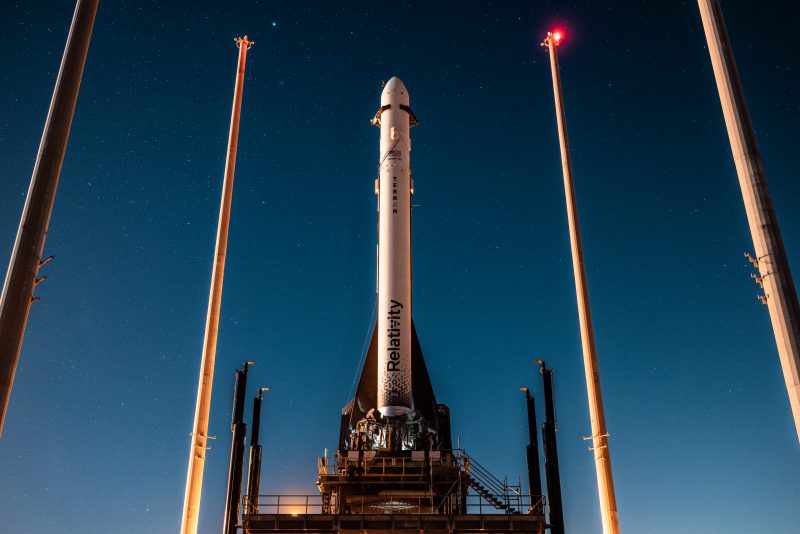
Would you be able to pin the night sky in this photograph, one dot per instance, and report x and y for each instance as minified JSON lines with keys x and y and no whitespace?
{"x":97,"y":434}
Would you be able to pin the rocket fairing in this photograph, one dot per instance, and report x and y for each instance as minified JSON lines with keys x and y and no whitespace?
{"x":395,"y":118}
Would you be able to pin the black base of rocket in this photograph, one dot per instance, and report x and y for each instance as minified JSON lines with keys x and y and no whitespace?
{"x":402,"y":473}
{"x":360,"y":414}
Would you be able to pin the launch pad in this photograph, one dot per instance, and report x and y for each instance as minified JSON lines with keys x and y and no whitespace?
{"x":398,"y":491}
{"x":398,"y":473}
{"x":395,"y":468}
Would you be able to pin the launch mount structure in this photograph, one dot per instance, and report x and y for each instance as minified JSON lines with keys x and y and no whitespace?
{"x":395,"y":468}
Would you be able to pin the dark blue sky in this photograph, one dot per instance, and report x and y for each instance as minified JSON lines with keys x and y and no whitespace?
{"x":96,"y":438}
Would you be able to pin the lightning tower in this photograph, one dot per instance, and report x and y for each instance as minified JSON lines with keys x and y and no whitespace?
{"x":197,"y":453}
{"x":26,"y":258}
{"x":602,"y":456}
{"x":774,"y":273}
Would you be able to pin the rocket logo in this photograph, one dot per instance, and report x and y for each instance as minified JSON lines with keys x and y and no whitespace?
{"x":393,"y":335}
{"x":396,"y":386}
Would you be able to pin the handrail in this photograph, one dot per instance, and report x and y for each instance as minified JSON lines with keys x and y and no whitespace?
{"x":297,"y":505}
{"x":488,"y":479}
{"x":370,"y":463}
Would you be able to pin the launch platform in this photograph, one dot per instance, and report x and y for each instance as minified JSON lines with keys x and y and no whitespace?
{"x":437,"y":491}
{"x":395,"y":467}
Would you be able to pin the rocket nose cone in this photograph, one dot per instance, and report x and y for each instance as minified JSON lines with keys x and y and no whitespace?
{"x":394,"y":84}
{"x":394,"y":92}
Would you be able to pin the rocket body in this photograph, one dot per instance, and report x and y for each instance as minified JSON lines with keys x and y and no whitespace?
{"x":394,"y":118}
{"x":394,"y":407}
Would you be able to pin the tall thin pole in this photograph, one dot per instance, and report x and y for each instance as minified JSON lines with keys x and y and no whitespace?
{"x":26,"y":257}
{"x":775,"y":275}
{"x":197,"y":453}
{"x":602,"y":456}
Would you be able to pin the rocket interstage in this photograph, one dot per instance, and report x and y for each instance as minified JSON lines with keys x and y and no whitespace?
{"x":395,"y":119}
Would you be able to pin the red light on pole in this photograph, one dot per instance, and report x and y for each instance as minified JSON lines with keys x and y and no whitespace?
{"x":553,"y":37}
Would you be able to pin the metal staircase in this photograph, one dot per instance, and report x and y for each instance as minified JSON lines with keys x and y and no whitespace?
{"x":499,"y":494}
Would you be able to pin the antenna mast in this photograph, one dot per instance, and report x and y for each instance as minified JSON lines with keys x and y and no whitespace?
{"x":197,"y":453}
{"x":602,"y":457}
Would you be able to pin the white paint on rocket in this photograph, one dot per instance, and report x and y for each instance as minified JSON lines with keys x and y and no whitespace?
{"x":394,"y":252}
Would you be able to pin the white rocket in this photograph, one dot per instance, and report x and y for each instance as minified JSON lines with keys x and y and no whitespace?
{"x":394,"y":384}
{"x":394,"y":189}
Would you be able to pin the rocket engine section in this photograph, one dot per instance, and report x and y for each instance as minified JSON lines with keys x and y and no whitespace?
{"x":394,"y":251}
{"x":394,"y":408}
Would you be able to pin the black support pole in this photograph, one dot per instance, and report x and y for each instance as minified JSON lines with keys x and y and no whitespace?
{"x":532,"y":454}
{"x":239,"y":429}
{"x":551,"y":454}
{"x":254,"y":468}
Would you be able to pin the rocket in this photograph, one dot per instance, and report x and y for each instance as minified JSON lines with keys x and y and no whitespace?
{"x":394,"y":406}
{"x":394,"y":189}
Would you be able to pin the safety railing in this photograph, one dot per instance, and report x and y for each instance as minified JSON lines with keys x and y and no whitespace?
{"x":284,"y":504}
{"x":478,"y":472}
{"x":420,"y":504}
{"x":372,"y":463}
